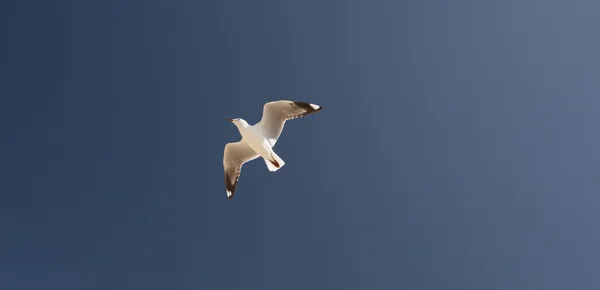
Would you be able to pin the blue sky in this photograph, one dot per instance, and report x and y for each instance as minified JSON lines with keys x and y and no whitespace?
{"x":457,"y":148}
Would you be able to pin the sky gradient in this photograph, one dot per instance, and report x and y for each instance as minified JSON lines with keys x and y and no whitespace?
{"x":457,"y":147}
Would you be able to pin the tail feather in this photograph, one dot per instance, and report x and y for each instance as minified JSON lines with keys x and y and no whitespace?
{"x":275,"y":162}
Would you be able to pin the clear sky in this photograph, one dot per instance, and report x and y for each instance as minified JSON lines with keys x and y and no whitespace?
{"x":457,"y":147}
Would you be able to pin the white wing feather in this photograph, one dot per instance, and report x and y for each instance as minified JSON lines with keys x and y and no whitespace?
{"x":235,"y":155}
{"x":276,"y":113}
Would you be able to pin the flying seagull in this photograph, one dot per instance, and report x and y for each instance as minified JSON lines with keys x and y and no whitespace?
{"x":258,"y":140}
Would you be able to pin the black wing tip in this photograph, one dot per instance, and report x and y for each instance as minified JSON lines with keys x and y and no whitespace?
{"x":230,"y":192}
{"x":310,"y":108}
{"x":230,"y":187}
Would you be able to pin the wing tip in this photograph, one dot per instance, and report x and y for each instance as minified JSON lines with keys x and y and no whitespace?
{"x":311,"y":108}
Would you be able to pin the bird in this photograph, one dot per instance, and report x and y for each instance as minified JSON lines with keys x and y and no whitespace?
{"x":259,"y":139}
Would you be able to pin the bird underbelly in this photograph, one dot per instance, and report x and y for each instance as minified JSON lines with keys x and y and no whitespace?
{"x":258,"y":143}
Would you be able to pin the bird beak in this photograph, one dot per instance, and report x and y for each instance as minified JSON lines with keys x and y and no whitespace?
{"x":230,"y":120}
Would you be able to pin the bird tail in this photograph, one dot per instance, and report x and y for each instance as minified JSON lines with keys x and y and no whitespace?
{"x":275,"y":162}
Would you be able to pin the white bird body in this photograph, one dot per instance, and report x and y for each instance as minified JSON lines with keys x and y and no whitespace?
{"x":253,"y":136}
{"x":259,"y":139}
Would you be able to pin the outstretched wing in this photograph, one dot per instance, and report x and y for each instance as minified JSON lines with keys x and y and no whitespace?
{"x":235,"y":155}
{"x":276,"y":113}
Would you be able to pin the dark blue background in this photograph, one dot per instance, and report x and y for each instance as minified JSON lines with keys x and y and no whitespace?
{"x":457,"y":148}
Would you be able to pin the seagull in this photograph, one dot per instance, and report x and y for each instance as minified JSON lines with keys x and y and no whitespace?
{"x":258,"y":139}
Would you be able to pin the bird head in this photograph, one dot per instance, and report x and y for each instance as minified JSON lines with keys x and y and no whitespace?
{"x":239,"y":122}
